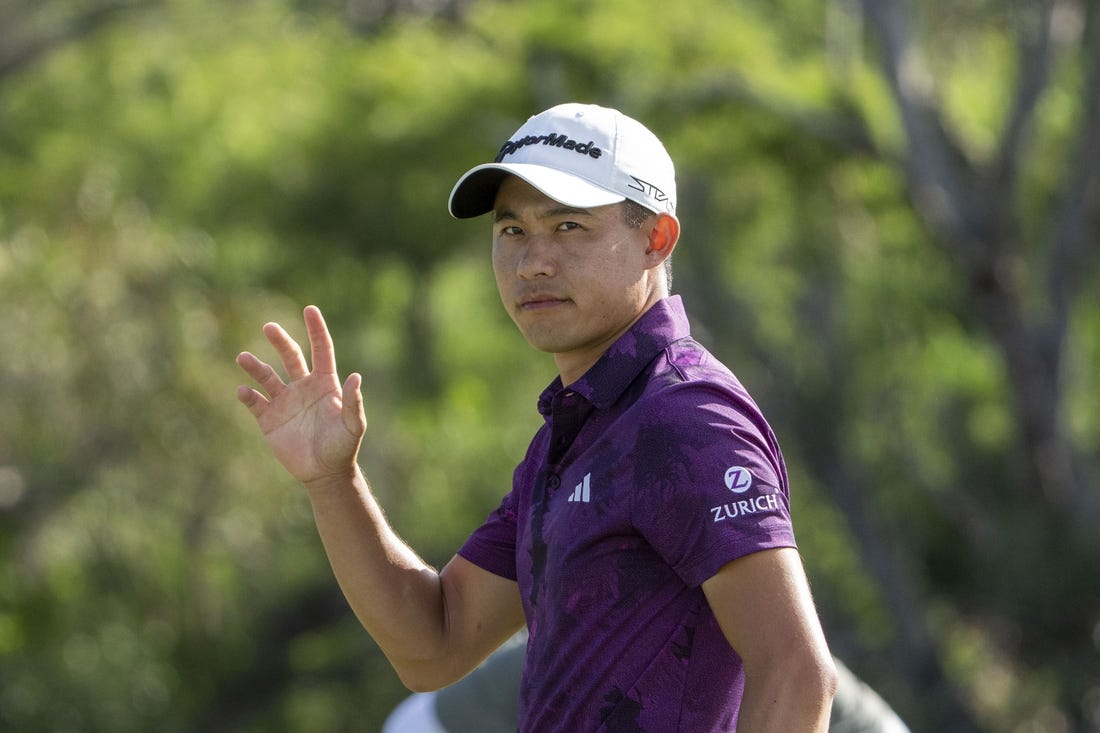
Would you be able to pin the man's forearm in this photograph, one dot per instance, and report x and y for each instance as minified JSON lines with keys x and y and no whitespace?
{"x":396,"y":596}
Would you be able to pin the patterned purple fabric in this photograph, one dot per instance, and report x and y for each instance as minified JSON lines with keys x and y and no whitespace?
{"x":651,"y":472}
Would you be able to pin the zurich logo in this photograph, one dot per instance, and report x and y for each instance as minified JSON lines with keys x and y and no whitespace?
{"x":738,"y":479}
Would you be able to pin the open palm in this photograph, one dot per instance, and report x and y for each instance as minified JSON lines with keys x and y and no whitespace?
{"x":313,"y":424}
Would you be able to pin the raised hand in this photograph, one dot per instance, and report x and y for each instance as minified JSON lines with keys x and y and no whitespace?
{"x":313,"y":424}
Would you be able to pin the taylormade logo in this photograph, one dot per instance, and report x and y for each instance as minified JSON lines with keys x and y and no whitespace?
{"x":558,"y":140}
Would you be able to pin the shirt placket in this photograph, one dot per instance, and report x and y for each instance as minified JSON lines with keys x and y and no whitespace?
{"x":568,"y":415}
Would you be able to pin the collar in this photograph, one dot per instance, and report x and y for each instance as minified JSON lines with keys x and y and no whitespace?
{"x":603,"y":384}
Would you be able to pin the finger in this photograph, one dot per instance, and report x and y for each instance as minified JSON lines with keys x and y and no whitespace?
{"x":288,"y":350}
{"x":262,"y":372}
{"x":355,"y":418}
{"x":253,"y":400}
{"x":322,"y":352}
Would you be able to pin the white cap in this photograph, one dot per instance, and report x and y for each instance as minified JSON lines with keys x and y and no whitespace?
{"x":579,"y":155}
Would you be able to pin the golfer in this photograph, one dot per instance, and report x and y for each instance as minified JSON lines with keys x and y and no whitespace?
{"x":646,"y":541}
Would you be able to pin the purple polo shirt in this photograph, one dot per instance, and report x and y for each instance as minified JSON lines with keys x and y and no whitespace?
{"x":650,"y":473}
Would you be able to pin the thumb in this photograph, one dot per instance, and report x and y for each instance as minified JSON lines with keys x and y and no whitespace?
{"x":355,"y":418}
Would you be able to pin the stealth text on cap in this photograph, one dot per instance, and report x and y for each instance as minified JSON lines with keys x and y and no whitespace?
{"x":555,"y":139}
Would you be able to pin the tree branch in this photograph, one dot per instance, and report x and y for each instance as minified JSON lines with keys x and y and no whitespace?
{"x":1036,"y":53}
{"x":1072,"y":256}
{"x":936,"y":166}
{"x":1073,"y":239}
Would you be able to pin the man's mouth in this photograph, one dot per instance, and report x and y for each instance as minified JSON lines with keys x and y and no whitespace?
{"x":540,"y":301}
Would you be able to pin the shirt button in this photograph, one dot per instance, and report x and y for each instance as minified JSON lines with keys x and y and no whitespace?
{"x":554,"y":481}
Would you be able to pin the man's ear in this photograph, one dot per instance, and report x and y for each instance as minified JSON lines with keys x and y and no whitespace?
{"x":663,"y":235}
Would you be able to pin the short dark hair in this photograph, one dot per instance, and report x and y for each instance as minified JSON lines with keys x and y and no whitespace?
{"x":634,"y":216}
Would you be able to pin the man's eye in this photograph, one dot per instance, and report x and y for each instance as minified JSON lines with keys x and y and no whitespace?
{"x":511,"y":231}
{"x":566,"y":226}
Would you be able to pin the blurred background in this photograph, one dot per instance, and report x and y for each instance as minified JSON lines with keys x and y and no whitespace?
{"x":891,"y":217}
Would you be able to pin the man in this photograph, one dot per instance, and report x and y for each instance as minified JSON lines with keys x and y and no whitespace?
{"x":646,"y":541}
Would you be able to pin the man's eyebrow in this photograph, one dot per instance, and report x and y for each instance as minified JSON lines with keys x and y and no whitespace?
{"x":548,"y":214}
{"x":563,"y":211}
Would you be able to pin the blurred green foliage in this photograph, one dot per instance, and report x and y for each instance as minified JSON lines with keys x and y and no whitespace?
{"x":181,"y":173}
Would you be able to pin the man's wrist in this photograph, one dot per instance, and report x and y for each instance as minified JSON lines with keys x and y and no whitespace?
{"x":335,"y":484}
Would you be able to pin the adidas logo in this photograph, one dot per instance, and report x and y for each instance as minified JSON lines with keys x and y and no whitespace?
{"x":583,"y":492}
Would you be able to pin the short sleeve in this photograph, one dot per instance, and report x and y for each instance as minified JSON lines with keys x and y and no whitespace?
{"x":710,"y":481}
{"x":492,"y":546}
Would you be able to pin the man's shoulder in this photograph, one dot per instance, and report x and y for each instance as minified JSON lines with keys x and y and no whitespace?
{"x":687,"y":371}
{"x":689,"y":388}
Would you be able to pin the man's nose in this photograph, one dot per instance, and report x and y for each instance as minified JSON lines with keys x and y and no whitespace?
{"x":538,"y":258}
